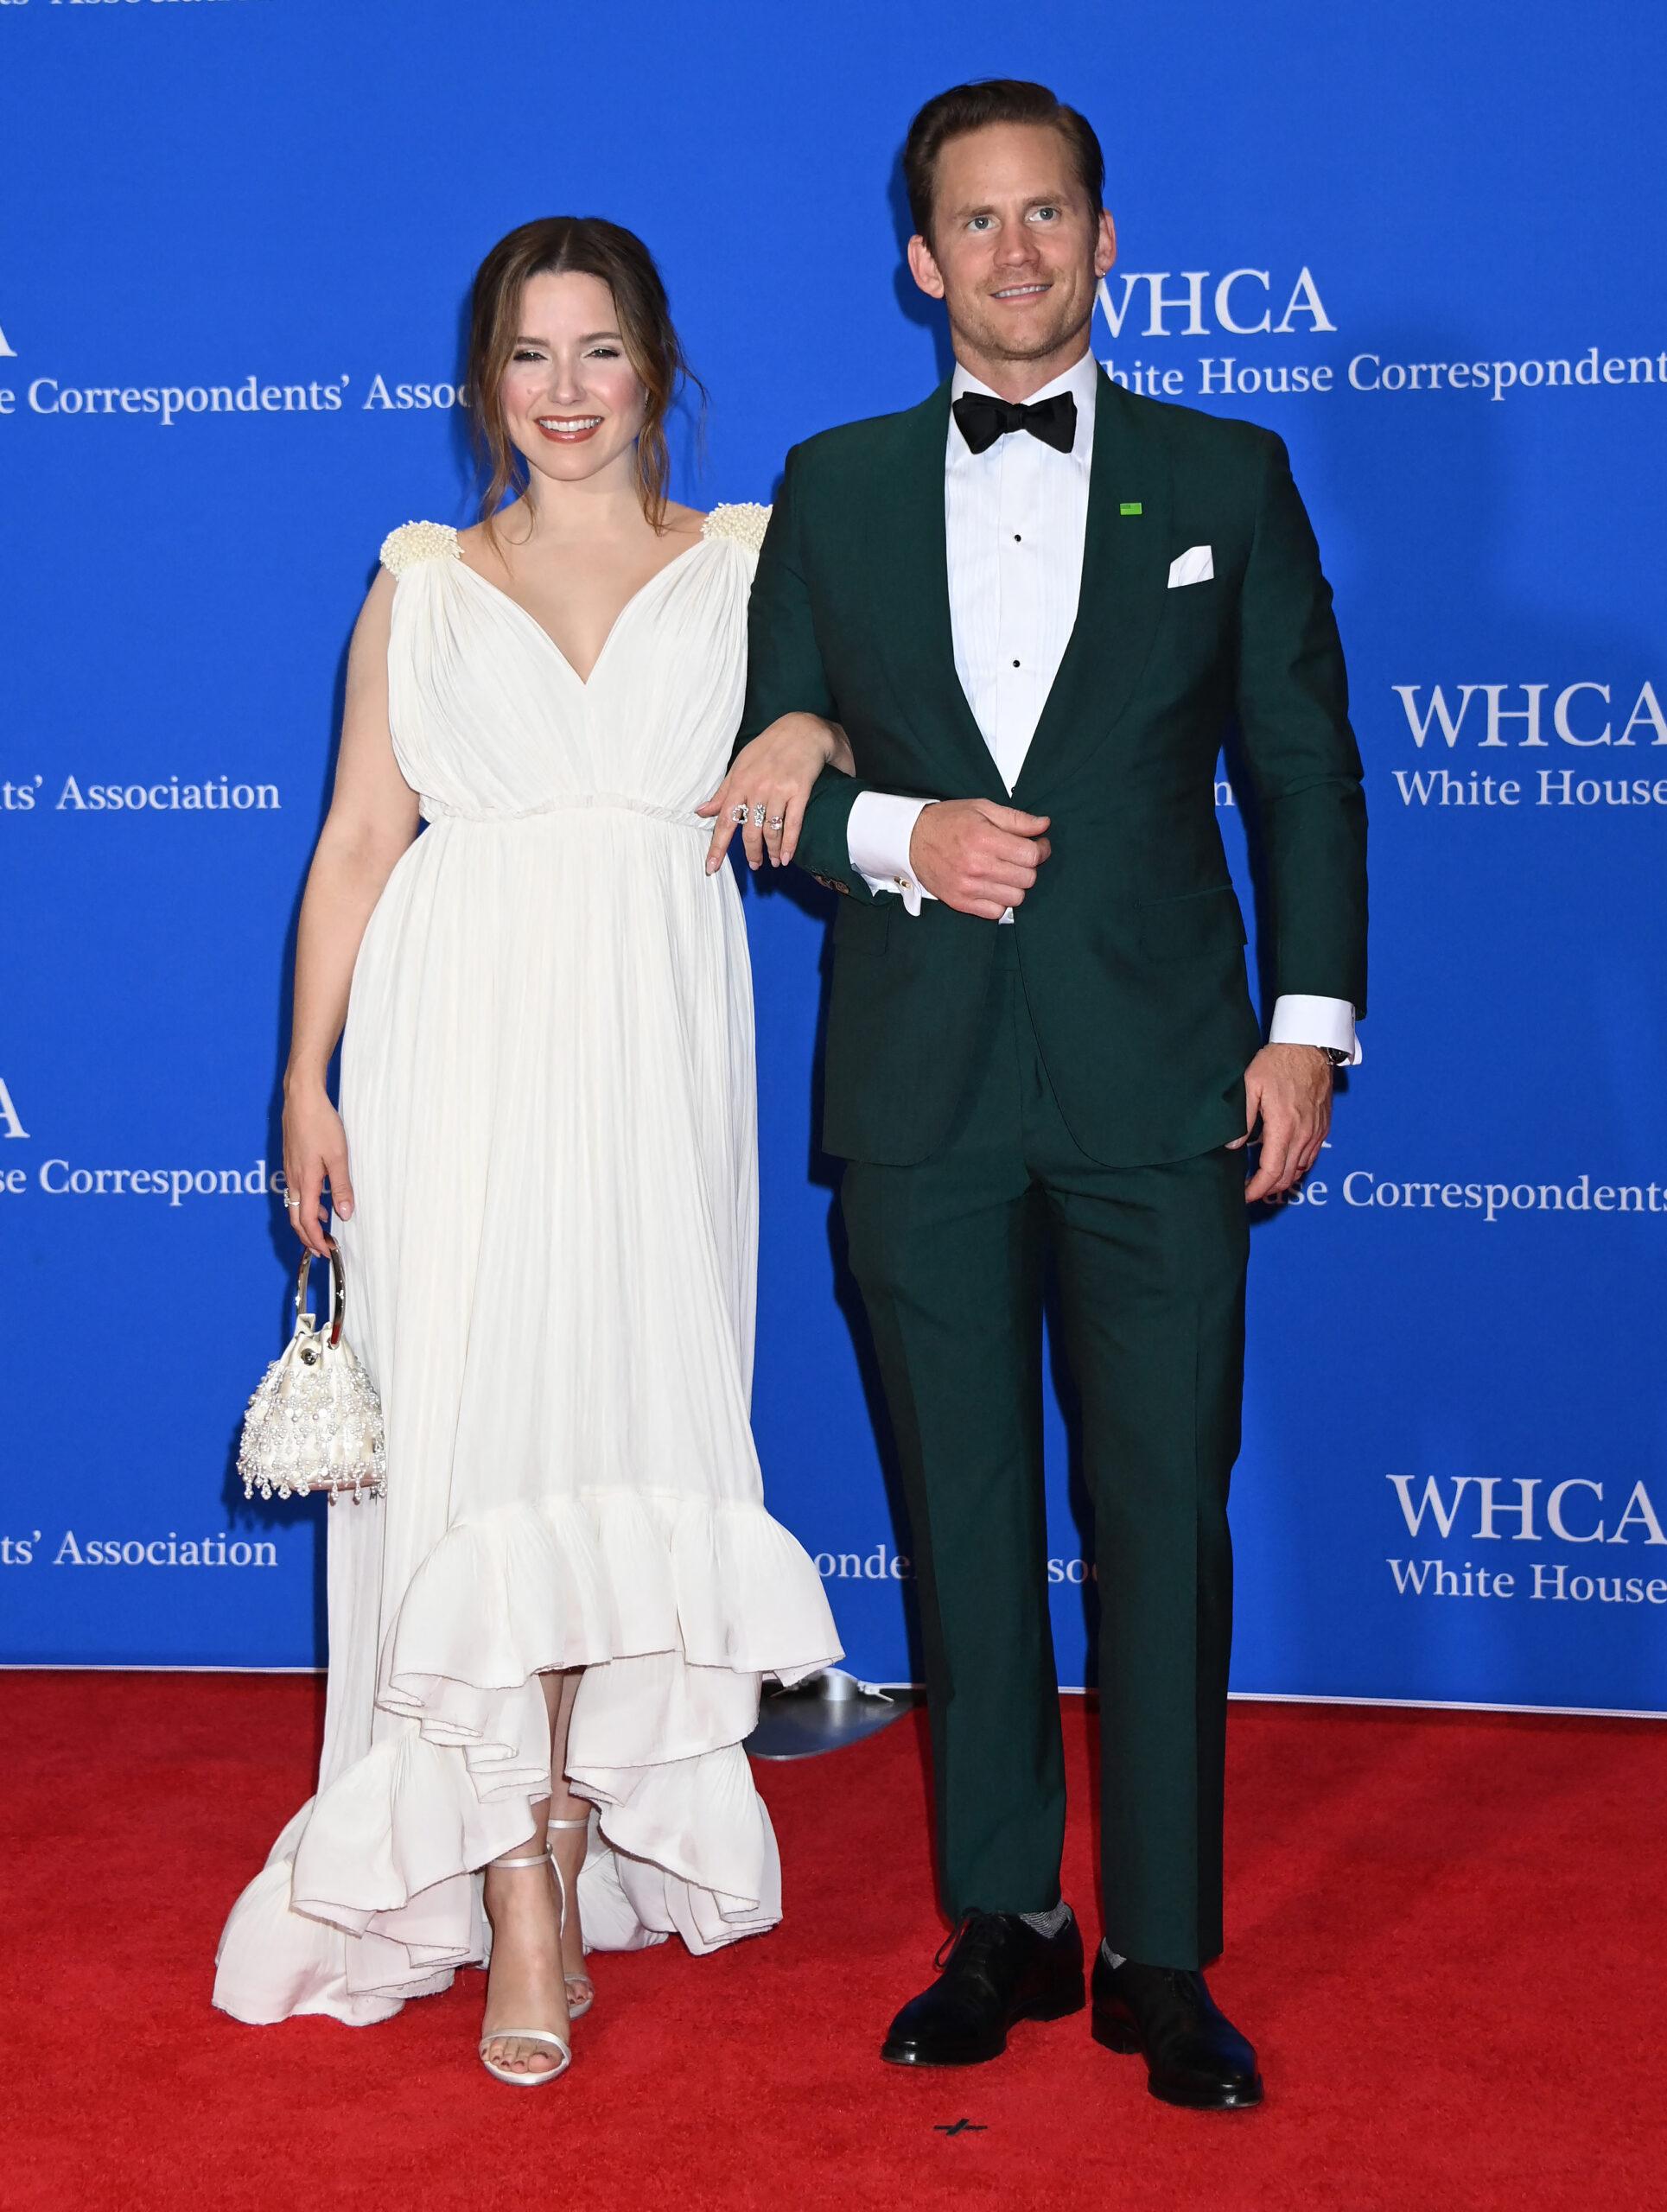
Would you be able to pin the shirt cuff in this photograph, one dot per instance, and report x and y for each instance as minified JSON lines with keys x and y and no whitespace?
{"x":1328,"y":1023}
{"x":877,"y":834}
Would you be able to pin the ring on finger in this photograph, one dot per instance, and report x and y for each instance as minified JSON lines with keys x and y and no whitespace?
{"x":738,"y":814}
{"x":776,"y":822}
{"x":292,"y":1202}
{"x":758,"y":816}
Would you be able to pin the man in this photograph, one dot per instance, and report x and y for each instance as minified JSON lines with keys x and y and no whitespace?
{"x":1034,"y":602}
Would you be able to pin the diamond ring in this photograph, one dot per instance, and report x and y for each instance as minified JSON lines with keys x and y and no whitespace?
{"x":777,"y":821}
{"x":758,"y":816}
{"x":738,"y":814}
{"x":292,"y":1202}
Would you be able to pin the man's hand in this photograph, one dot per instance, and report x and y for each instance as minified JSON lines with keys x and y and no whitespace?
{"x":978,"y":857}
{"x":1289,"y":1087}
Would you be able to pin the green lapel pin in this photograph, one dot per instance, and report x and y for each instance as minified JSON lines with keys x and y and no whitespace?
{"x":1129,"y":507}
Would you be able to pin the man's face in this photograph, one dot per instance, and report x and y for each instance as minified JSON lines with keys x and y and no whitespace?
{"x":1016,"y":252}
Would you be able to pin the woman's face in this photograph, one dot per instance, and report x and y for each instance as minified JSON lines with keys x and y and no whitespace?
{"x":573,"y":403}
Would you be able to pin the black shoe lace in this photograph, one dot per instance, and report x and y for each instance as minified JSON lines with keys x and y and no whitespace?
{"x":975,"y":1930}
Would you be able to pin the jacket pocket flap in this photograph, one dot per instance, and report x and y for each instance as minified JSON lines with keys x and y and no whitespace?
{"x":1183,"y":928}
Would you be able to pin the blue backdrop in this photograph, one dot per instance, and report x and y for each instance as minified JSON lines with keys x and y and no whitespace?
{"x":239,"y":237}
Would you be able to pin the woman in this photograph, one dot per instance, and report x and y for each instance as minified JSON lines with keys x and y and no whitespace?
{"x":543,"y":1184}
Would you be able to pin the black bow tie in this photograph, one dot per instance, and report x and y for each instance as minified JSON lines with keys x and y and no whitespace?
{"x":983,"y":418}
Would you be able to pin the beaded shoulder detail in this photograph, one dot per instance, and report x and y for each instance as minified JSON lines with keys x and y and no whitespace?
{"x":412,"y":542}
{"x":745,"y":521}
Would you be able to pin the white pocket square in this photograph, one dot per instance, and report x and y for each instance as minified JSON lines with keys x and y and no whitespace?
{"x":1195,"y":566}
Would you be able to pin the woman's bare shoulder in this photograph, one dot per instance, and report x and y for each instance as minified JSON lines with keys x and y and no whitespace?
{"x":681,"y":522}
{"x":481,"y":544}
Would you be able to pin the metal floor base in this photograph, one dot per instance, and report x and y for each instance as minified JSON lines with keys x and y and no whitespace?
{"x":821,"y":1714}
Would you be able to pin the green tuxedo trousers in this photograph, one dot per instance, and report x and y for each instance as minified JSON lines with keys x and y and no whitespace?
{"x":951,"y":1256}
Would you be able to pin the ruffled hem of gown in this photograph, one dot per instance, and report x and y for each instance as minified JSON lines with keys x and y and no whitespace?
{"x":675,"y":1606}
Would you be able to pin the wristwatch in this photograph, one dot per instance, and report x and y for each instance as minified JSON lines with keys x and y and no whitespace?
{"x":1338,"y":1058}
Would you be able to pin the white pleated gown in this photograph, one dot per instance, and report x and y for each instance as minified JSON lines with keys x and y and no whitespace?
{"x":547,"y":1081}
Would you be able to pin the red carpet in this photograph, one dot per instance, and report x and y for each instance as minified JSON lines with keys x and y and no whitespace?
{"x":1447,"y":1938}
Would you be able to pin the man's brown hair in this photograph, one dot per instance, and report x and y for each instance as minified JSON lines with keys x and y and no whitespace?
{"x":974,"y":106}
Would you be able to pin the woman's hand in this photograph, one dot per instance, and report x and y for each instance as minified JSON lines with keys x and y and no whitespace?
{"x":768,"y":784}
{"x":315,"y":1154}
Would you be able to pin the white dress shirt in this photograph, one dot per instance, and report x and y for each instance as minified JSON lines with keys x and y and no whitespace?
{"x":1015,"y":517}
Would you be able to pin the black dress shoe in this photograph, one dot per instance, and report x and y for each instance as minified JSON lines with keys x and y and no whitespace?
{"x":998,"y":1970}
{"x":1194,"y":2055}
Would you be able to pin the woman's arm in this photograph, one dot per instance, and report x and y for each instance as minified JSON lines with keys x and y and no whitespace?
{"x":373,"y":819}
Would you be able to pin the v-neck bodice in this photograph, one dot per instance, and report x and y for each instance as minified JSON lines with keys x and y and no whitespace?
{"x":490,"y":719}
{"x":619,"y":620}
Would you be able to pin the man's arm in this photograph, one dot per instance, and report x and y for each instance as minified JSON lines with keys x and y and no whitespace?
{"x":1301,"y":753}
{"x":785,"y":676}
{"x":854,"y":837}
{"x":1303,"y":762}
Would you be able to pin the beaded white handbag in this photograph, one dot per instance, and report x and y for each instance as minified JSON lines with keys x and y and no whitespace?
{"x":314,"y":1422}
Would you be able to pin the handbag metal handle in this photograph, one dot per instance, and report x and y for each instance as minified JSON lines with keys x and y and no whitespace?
{"x":338,"y":1306}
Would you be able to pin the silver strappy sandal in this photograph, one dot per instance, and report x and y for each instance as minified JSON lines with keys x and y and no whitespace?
{"x":546,"y":2036}
{"x":581,"y":1980}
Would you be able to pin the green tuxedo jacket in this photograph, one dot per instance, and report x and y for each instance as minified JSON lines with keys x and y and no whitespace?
{"x":1131,"y":945}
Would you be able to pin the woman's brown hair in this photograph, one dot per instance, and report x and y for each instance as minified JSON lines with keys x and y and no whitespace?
{"x":589,"y":246}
